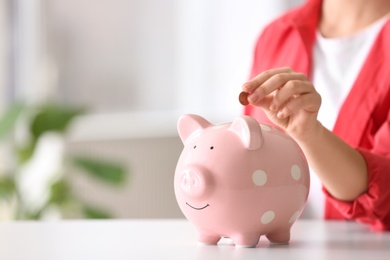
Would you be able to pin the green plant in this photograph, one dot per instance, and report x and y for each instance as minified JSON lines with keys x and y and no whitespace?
{"x":38,"y":122}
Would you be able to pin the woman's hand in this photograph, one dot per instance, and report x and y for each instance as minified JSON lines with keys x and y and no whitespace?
{"x":289,"y":100}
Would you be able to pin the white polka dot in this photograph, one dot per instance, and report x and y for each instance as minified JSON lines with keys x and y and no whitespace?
{"x":267,"y":217}
{"x":296,"y":172}
{"x":294,"y":217}
{"x":259,"y":177}
{"x":265,"y":127}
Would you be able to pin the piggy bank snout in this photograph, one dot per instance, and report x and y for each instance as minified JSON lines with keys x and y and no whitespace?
{"x":194,"y":182}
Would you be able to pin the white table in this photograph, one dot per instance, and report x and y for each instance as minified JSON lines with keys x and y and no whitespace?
{"x":176,"y":239}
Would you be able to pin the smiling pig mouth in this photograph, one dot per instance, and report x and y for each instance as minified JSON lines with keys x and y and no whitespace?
{"x":207,"y":205}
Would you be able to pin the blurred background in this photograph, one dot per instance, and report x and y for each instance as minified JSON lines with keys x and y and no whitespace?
{"x":90,"y":92}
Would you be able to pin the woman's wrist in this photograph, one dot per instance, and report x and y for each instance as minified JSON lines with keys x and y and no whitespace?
{"x":310,"y":135}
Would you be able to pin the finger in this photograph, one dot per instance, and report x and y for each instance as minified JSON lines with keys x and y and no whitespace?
{"x":274,"y":83}
{"x":264,"y":103}
{"x":309,"y":102}
{"x":258,"y":80}
{"x":291,"y":89}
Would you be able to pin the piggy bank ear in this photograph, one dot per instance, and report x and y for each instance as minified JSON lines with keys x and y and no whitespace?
{"x":190,"y":126}
{"x":249,"y":130}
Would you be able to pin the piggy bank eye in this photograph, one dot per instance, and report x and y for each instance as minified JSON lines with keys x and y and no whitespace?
{"x":194,"y":146}
{"x":211,"y":147}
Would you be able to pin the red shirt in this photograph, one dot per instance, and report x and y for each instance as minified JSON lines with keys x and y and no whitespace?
{"x":364,"y":119}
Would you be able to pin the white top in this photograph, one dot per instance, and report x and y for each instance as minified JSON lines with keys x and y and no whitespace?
{"x":176,"y":239}
{"x":336,"y":65}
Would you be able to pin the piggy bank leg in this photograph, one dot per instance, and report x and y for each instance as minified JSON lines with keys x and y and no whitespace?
{"x":279,"y":237}
{"x":245,"y":240}
{"x":208,"y":239}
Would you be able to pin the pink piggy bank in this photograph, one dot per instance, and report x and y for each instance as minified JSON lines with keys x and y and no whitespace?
{"x":240,"y":180}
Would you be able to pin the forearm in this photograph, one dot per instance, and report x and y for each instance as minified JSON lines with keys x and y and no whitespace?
{"x":341,"y":168}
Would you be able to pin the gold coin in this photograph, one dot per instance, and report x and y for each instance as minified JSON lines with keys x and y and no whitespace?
{"x":243,"y":98}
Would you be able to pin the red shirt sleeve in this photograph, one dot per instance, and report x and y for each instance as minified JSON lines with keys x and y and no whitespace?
{"x":372,"y":207}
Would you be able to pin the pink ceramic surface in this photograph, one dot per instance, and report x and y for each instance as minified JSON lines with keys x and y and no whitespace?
{"x":240,"y":180}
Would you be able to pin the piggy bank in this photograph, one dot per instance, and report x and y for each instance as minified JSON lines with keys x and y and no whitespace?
{"x":239,"y":180}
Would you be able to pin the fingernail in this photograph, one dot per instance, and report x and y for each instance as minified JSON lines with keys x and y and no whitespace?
{"x":245,"y":87}
{"x":253,"y":98}
{"x":281,"y":115}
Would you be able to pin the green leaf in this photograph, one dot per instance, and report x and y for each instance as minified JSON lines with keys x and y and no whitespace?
{"x":33,"y":215}
{"x":53,"y":117}
{"x":26,"y":152}
{"x":94,"y":213}
{"x":106,"y":171}
{"x":7,"y":187}
{"x":8,"y":120}
{"x":60,"y":192}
